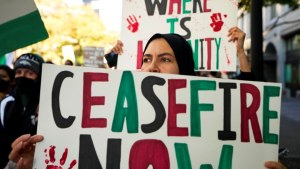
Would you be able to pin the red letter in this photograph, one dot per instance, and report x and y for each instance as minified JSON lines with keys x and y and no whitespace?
{"x":175,"y":109}
{"x":205,"y":7}
{"x":208,"y":41}
{"x":88,"y":100}
{"x":249,"y":113}
{"x":144,"y":153}
{"x":139,"y":54}
{"x":171,"y":5}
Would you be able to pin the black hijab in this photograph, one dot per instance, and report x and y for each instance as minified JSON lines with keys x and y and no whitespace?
{"x":182,"y":50}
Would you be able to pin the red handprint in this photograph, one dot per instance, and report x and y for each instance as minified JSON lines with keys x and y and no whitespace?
{"x":61,"y":161}
{"x":217,"y":22}
{"x":133,"y":24}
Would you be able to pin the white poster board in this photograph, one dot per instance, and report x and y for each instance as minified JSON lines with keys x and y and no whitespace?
{"x":127,"y":119}
{"x":203,"y":23}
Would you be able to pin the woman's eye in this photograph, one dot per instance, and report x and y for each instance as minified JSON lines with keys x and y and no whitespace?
{"x":146,"y":60}
{"x":166,"y":60}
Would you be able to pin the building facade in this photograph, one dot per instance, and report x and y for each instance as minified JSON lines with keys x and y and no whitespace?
{"x":281,"y":45}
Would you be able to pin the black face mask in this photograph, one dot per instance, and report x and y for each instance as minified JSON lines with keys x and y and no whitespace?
{"x":27,"y":86}
{"x":4,"y":85}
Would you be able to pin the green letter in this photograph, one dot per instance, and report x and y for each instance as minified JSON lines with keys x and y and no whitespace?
{"x":126,"y":91}
{"x":196,"y":107}
{"x":195,"y":52}
{"x":218,"y":43}
{"x":226,"y":157}
{"x":269,"y":91}
{"x":182,"y":156}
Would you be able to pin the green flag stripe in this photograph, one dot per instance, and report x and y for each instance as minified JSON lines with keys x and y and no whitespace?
{"x":21,"y":32}
{"x":2,"y":60}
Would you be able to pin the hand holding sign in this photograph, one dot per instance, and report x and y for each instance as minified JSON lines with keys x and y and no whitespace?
{"x":23,"y":150}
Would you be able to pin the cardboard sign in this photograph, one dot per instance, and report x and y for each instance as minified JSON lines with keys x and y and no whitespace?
{"x":101,"y":118}
{"x":93,"y":56}
{"x":203,"y":23}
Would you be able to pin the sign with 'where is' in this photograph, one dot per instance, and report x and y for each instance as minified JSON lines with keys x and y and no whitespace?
{"x":203,"y":23}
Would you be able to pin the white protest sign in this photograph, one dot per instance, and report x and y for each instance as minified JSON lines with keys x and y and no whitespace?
{"x":203,"y":23}
{"x":101,"y":118}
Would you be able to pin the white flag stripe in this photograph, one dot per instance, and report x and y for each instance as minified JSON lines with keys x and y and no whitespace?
{"x":11,"y":9}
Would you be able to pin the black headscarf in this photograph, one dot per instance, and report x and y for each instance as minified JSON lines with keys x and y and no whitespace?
{"x":182,"y":50}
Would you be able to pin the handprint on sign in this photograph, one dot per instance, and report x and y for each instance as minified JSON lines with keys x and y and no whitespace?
{"x":61,"y":161}
{"x":217,"y":22}
{"x":133,"y":24}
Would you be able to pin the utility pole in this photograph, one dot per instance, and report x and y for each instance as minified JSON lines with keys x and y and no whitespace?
{"x":257,"y":39}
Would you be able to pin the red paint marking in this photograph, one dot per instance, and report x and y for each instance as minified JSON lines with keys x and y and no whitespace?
{"x":73,"y":163}
{"x":227,"y":57}
{"x":63,"y":157}
{"x":52,"y":154}
{"x":62,"y":160}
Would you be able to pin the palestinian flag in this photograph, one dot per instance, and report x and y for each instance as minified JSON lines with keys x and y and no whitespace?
{"x":2,"y":60}
{"x":20,"y":25}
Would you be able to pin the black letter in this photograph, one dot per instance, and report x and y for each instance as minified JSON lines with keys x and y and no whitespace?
{"x":201,"y":41}
{"x":195,"y":6}
{"x":87,"y":154}
{"x":188,"y":31}
{"x":60,"y":121}
{"x":227,"y":134}
{"x":161,"y":7}
{"x":147,"y":90}
{"x":113,"y":157}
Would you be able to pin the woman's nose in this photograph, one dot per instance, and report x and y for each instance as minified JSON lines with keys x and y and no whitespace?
{"x":153,"y":67}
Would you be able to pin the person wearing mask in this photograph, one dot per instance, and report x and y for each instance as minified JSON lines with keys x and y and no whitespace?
{"x":163,"y":53}
{"x":20,"y":113}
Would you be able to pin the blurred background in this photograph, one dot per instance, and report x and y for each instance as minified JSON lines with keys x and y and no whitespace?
{"x":84,"y":30}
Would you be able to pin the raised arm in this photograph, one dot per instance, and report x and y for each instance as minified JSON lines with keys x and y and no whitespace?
{"x":238,"y":36}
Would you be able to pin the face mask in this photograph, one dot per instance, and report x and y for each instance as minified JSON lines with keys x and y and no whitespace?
{"x":4,"y":85}
{"x":27,"y":86}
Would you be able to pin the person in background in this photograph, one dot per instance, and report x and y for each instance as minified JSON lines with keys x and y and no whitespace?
{"x":21,"y":109}
{"x":163,"y":53}
{"x":7,"y":76}
{"x":112,"y":56}
{"x":68,"y":62}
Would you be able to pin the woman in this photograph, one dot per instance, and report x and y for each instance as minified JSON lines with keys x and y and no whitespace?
{"x":163,"y":53}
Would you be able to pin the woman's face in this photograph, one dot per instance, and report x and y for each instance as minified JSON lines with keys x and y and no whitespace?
{"x":159,"y":57}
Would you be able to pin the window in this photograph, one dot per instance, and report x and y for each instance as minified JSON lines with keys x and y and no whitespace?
{"x":298,"y":73}
{"x":293,"y":43}
{"x":288,"y":73}
{"x":273,"y":12}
